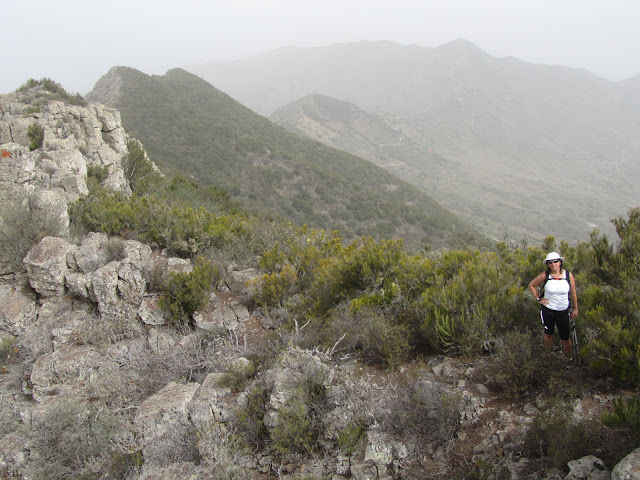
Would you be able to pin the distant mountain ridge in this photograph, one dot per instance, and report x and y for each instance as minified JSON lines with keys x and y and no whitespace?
{"x":491,"y":137}
{"x":189,"y":127}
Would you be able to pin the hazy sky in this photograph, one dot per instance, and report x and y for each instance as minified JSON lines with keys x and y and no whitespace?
{"x":75,"y":42}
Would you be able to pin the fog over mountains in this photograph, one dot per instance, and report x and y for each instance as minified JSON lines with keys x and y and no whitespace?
{"x":516,"y":148}
{"x":191,"y":128}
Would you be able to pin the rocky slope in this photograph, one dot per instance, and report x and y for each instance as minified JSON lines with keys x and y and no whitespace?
{"x":96,"y":383}
{"x":74,"y":138}
{"x":90,"y":330}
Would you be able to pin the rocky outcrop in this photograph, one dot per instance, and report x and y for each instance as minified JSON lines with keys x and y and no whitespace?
{"x":47,"y":266}
{"x":46,"y":179}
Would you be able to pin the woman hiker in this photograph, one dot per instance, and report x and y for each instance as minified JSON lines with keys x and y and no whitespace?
{"x":559,"y":301}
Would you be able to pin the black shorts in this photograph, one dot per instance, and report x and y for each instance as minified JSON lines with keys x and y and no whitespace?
{"x":551,"y":318}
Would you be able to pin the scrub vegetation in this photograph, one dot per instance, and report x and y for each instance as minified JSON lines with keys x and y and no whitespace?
{"x":391,"y":303}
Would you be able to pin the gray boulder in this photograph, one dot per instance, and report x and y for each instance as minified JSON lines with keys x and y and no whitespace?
{"x":17,"y":309}
{"x":69,"y":369}
{"x":628,"y":468}
{"x":209,"y":405}
{"x":47,"y":266}
{"x":295,"y":366}
{"x":92,"y":252}
{"x":168,"y":434}
{"x":150,"y":313}
{"x":587,"y":468}
{"x":105,"y":288}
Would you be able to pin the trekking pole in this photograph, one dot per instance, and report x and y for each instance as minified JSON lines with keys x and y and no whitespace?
{"x":574,"y":341}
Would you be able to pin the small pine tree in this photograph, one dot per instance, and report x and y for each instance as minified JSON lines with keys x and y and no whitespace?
{"x":36,"y":136}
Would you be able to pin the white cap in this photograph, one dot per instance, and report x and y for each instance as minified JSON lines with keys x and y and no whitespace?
{"x":553,"y":256}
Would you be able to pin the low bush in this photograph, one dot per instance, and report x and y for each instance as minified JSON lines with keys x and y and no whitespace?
{"x":350,"y":436}
{"x":185,"y":293}
{"x":248,"y":419}
{"x":426,"y":411}
{"x":200,"y":353}
{"x":518,"y":363}
{"x":176,"y":444}
{"x":625,"y":414}
{"x":218,"y":447}
{"x":184,"y":230}
{"x":237,"y":376}
{"x":294,"y":432}
{"x":23,"y":224}
{"x":54,"y":91}
{"x":97,"y":172}
{"x":555,"y":438}
{"x":299,"y":427}
{"x":7,"y":349}
{"x":35,"y":133}
{"x":72,"y":441}
{"x":138,"y":169}
{"x":274,"y":289}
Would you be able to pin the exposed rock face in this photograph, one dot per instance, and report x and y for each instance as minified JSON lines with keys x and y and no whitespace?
{"x":75,"y":138}
{"x":17,"y":309}
{"x":169,"y":436}
{"x":47,"y":266}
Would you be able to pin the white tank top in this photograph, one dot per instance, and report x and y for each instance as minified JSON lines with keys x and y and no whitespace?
{"x":557,"y":292}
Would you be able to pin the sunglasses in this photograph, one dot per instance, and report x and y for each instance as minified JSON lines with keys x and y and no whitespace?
{"x":553,"y":261}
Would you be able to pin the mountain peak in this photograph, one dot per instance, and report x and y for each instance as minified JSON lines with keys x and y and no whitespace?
{"x":461,"y":46}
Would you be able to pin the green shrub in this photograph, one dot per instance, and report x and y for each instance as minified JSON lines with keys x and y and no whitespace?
{"x":350,"y":436}
{"x":614,"y":350}
{"x":22,"y":226}
{"x":299,"y":426}
{"x":625,"y":414}
{"x":98,"y":172}
{"x":294,"y":432}
{"x":274,"y":289}
{"x":185,"y":293}
{"x":237,"y":376}
{"x":138,"y":170}
{"x":249,"y":420}
{"x":183,"y":230}
{"x":54,"y":91}
{"x":36,"y":136}
{"x":7,"y":348}
{"x":473,"y":296}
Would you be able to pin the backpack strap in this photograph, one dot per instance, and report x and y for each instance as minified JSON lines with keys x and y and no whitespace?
{"x":547,"y":276}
